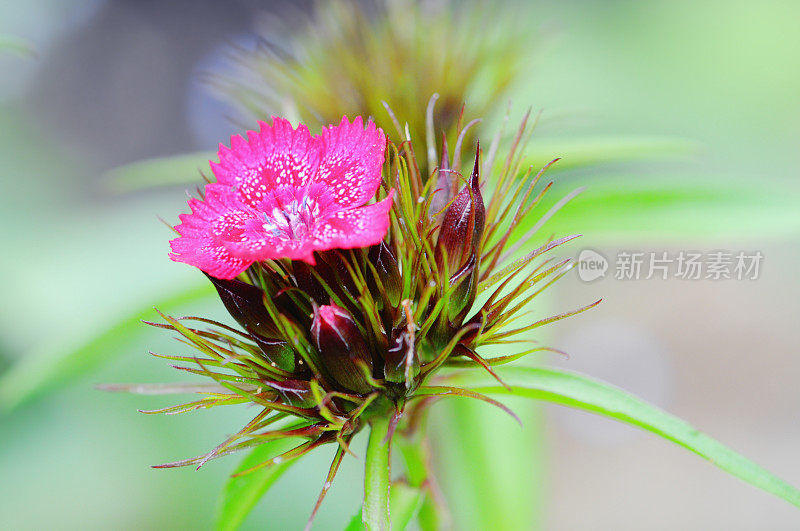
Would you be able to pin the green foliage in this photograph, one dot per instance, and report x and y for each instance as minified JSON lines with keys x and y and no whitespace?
{"x":176,"y":170}
{"x":581,"y":152}
{"x":582,"y":392}
{"x":242,"y":493}
{"x":10,"y":43}
{"x":44,"y":371}
{"x":674,"y":209}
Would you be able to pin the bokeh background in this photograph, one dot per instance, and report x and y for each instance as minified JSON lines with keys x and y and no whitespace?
{"x":113,"y":81}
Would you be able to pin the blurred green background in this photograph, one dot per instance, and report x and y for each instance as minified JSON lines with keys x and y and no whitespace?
{"x":112,"y":82}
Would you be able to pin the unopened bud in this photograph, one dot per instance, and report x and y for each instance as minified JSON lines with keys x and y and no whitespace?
{"x":385,"y":263}
{"x":462,"y":224}
{"x":245,"y":303}
{"x":465,"y":281}
{"x":276,"y":351}
{"x":402,"y":362}
{"x":343,"y":351}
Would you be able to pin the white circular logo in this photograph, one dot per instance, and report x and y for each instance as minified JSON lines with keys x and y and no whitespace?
{"x":591,"y":265}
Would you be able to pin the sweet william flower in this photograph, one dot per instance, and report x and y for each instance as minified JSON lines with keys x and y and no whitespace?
{"x":284,"y":193}
{"x":347,"y":318}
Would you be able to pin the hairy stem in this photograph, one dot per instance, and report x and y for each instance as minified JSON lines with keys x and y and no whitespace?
{"x":377,"y":477}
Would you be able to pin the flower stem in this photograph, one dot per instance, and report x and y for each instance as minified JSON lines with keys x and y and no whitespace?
{"x":377,"y":477}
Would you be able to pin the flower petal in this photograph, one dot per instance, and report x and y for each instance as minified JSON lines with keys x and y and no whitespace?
{"x":351,"y":161}
{"x":277,"y":155}
{"x":203,"y":235}
{"x":355,"y":227}
{"x":256,"y":244}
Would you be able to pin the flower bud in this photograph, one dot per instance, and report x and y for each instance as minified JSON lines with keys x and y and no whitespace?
{"x":276,"y":351}
{"x":466,"y":282}
{"x":331,"y":270}
{"x":445,"y":182}
{"x":462,"y":224}
{"x":402,"y":362}
{"x":386,"y":266}
{"x":245,"y":303}
{"x":342,"y":349}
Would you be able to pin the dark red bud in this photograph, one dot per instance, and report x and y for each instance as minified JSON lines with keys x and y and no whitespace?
{"x":462,"y":224}
{"x":402,"y":362}
{"x":307,"y":282}
{"x":277,"y":352}
{"x":245,"y":303}
{"x":331,"y":269}
{"x":465,"y":284}
{"x":385,"y":263}
{"x":342,"y":349}
{"x":445,"y":182}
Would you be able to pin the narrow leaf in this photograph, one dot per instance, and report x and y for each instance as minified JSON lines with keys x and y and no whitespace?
{"x":163,"y":388}
{"x":674,"y":208}
{"x":48,"y":368}
{"x":582,"y":392}
{"x":588,"y":151}
{"x":176,"y":170}
{"x":404,"y":503}
{"x":10,"y":43}
{"x":241,"y":493}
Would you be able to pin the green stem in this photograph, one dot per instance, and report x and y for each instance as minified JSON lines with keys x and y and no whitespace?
{"x":377,"y":477}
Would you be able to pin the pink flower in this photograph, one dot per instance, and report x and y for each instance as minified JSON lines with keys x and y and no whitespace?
{"x":284,"y":193}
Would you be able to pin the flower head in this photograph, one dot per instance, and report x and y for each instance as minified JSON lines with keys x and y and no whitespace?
{"x":352,"y":314}
{"x":284,"y":193}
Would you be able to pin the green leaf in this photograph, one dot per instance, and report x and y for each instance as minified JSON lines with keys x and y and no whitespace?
{"x":415,"y":451}
{"x":582,"y":392}
{"x":241,"y":494}
{"x":672,"y":209}
{"x":404,"y":503}
{"x":355,"y":523}
{"x":43,"y":370}
{"x":502,"y":458}
{"x":176,"y":170}
{"x":17,"y":45}
{"x":576,"y":152}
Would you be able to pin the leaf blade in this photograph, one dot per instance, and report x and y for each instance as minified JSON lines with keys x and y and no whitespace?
{"x":241,"y":493}
{"x":578,"y":152}
{"x":672,"y":208}
{"x":175,"y":170}
{"x":582,"y":392}
{"x":52,"y":366}
{"x":12,"y":43}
